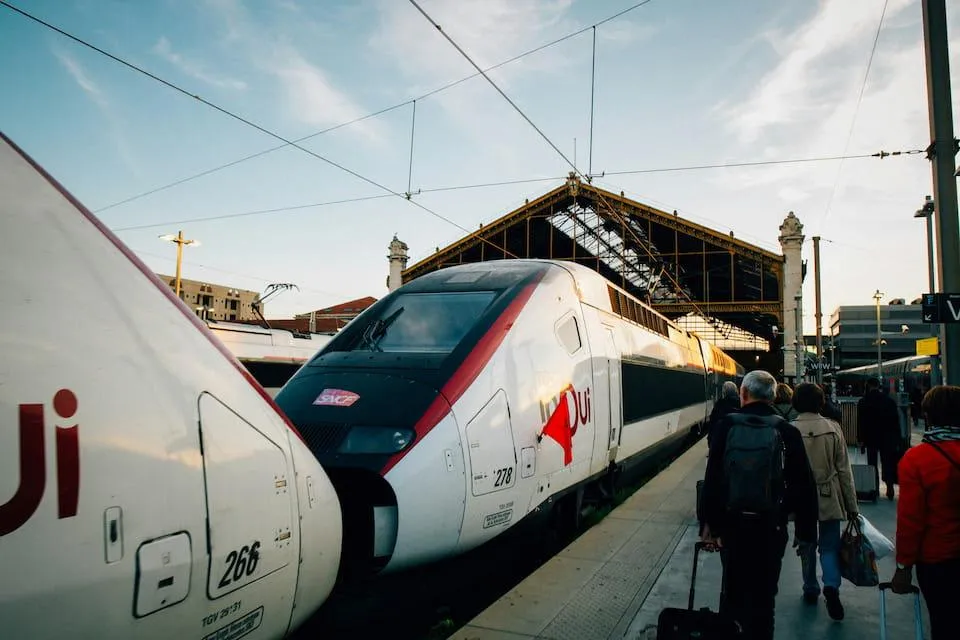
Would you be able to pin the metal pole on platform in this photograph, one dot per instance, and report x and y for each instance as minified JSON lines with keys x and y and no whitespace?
{"x":878,"y":296}
{"x":942,"y":151}
{"x":816,"y":282}
{"x":926,"y":211}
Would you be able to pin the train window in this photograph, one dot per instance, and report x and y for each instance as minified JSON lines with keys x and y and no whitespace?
{"x":425,"y":322}
{"x":614,"y":300}
{"x":569,"y":334}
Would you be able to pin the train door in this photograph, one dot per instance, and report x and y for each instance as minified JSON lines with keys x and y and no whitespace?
{"x":243,"y":466}
{"x":613,"y":390}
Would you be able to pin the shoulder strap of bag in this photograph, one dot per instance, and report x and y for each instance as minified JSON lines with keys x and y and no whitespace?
{"x":944,"y":454}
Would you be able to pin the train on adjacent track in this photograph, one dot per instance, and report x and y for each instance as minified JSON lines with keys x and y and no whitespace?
{"x":481,"y":395}
{"x":910,"y":375}
{"x":271,"y":356}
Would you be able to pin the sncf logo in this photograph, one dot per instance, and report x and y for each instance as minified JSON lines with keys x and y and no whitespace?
{"x":33,"y":470}
{"x":336,"y":398}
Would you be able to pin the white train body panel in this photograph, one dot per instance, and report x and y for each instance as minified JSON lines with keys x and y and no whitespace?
{"x":476,"y":395}
{"x":147,"y":486}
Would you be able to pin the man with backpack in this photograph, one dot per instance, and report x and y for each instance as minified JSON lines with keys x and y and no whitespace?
{"x":757,"y":475}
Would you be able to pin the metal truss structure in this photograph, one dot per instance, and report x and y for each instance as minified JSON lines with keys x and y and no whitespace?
{"x":679,"y":267}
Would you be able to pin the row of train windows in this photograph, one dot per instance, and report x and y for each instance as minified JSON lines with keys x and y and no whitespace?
{"x":630,"y":309}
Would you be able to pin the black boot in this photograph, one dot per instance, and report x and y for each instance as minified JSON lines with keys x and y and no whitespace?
{"x":890,"y":491}
{"x":832,"y":597}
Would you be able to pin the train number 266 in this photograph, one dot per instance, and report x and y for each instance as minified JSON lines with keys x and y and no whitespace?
{"x":240,"y":563}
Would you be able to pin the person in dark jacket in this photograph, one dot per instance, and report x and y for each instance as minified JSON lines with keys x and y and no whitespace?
{"x":752,"y":546}
{"x":830,"y":408}
{"x":878,"y":430}
{"x":728,"y":403}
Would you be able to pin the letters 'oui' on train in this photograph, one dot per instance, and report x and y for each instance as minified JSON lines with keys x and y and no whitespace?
{"x":149,"y":488}
{"x":480,"y":395}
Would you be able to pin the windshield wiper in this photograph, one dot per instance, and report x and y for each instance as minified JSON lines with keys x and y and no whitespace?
{"x":377,"y":329}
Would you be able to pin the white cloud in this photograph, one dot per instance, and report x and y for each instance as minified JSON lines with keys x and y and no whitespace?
{"x":311,"y":96}
{"x":193,"y":69}
{"x":81,"y":78}
{"x":626,"y":32}
{"x":814,"y":66}
{"x":488,"y":30}
{"x":99,"y":98}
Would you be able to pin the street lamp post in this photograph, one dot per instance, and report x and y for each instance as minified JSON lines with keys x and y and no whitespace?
{"x":877,"y":296}
{"x":179,"y":241}
{"x":926,"y":211}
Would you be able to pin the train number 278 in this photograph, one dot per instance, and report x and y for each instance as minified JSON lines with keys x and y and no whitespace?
{"x":240,"y":563}
{"x":503,"y":477}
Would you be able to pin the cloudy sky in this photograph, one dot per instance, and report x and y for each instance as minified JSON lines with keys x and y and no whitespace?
{"x":678,"y":83}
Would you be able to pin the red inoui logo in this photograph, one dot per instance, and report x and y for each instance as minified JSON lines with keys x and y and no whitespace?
{"x":336,"y":398}
{"x":15,"y":512}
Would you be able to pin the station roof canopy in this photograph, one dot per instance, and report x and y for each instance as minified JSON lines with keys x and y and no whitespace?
{"x":677,"y":266}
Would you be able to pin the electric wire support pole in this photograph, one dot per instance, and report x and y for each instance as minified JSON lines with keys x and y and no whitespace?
{"x":816,"y":281}
{"x":941,"y":152}
{"x":179,"y":241}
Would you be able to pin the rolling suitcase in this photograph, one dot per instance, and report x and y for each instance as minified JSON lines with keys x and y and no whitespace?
{"x":917,"y":611}
{"x":865,"y":481}
{"x":683,"y":624}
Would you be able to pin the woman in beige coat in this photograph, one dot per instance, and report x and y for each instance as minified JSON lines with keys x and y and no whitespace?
{"x":827,"y":452}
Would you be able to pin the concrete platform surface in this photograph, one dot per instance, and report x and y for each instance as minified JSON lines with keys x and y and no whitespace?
{"x":613,"y":581}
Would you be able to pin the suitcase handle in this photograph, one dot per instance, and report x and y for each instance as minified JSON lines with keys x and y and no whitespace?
{"x":917,"y":611}
{"x":889,"y":585}
{"x":697,"y":548}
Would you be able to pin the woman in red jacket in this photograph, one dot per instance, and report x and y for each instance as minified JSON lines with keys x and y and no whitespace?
{"x":928,"y":514}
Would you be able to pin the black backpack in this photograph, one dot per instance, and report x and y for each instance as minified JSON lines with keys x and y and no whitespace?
{"x":753,"y":464}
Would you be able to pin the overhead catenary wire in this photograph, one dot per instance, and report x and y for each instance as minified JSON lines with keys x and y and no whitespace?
{"x":244,"y":214}
{"x":856,"y":112}
{"x":483,"y":185}
{"x":413,"y":128}
{"x":245,"y":121}
{"x":678,"y":289}
{"x":300,"y":207}
{"x":379,"y":112}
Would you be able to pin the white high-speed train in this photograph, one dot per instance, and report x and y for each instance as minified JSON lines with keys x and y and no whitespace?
{"x":478,"y":395}
{"x":149,"y":488}
{"x":271,"y":356}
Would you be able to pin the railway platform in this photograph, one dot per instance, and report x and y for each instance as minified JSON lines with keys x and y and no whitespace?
{"x":613,"y":581}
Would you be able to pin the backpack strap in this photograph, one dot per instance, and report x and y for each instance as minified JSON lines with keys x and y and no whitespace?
{"x":944,"y":454}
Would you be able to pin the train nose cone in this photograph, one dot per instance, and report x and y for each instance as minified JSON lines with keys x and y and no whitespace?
{"x":321,"y":533}
{"x":430,"y":488}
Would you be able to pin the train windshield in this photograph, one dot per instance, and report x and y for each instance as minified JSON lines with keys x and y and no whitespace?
{"x":424,"y":322}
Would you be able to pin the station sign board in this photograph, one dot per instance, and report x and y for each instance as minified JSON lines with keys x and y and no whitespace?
{"x":941,"y":308}
{"x":928,"y":346}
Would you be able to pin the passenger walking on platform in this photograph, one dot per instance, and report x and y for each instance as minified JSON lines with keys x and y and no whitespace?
{"x":827,"y":452}
{"x":728,"y":403}
{"x":830,"y":408}
{"x":783,"y":402}
{"x":878,"y":429}
{"x":928,"y":513}
{"x":757,"y":474}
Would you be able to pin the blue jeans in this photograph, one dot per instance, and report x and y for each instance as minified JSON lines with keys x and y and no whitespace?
{"x":829,"y":545}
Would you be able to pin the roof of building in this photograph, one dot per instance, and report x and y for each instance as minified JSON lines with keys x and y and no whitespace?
{"x":344,"y":308}
{"x":679,"y":266}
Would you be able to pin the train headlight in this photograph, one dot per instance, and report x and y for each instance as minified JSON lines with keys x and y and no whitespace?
{"x":376,"y":440}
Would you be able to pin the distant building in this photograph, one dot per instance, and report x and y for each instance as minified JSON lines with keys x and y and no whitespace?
{"x":854,"y":332}
{"x":216,"y":301}
{"x":330,"y":319}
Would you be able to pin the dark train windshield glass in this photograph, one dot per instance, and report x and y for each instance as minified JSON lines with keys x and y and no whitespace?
{"x":424,"y":322}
